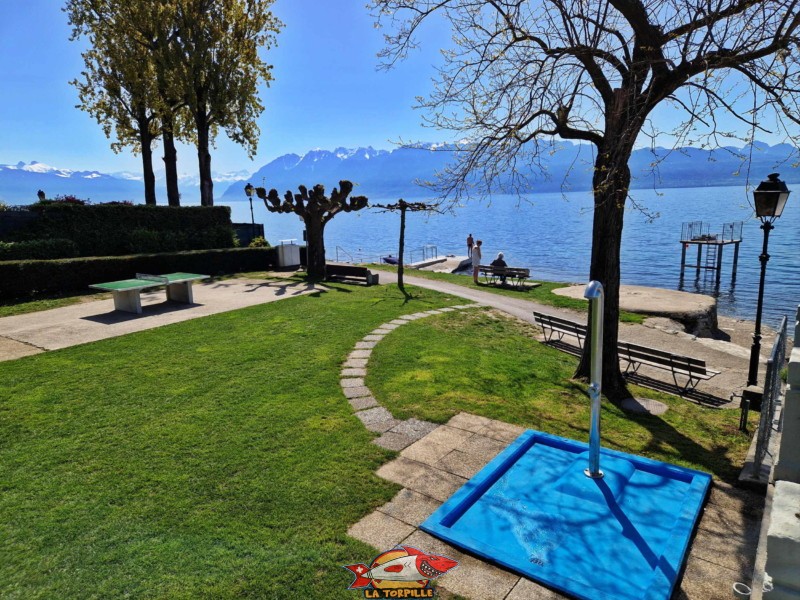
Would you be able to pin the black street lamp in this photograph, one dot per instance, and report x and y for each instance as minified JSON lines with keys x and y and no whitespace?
{"x":249,"y":189}
{"x":770,"y":198}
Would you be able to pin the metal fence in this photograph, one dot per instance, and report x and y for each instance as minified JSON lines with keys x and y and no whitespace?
{"x":772,"y":394}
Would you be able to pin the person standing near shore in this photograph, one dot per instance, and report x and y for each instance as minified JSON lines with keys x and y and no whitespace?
{"x":476,"y":260}
{"x":469,"y":245}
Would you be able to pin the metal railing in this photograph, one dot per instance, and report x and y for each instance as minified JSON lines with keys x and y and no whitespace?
{"x":772,"y":393}
{"x":426,"y":252}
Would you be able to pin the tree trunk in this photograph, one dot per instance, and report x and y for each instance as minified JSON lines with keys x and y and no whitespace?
{"x":611,"y":180}
{"x":204,"y":159}
{"x":171,"y":166}
{"x":315,"y":245}
{"x":147,"y":167}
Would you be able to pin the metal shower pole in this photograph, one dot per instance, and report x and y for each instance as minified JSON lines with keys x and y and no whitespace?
{"x":595,"y":294}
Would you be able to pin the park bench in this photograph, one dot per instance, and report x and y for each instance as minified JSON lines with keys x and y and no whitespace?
{"x":556,"y":326}
{"x":127,"y":291}
{"x":515,"y":275}
{"x":350,"y":273}
{"x":693,"y":369}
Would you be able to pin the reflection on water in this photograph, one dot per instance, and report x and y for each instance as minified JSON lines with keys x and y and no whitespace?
{"x":551,"y":235}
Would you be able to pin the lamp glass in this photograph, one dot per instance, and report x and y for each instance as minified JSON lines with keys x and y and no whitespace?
{"x":770,"y":198}
{"x":248,"y":189}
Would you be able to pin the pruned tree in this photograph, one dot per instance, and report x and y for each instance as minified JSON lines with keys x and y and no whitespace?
{"x":220,"y":70}
{"x":522,"y":73}
{"x":316,"y":210}
{"x":403,"y":206}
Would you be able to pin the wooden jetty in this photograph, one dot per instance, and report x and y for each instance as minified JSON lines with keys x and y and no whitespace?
{"x":697,"y":233}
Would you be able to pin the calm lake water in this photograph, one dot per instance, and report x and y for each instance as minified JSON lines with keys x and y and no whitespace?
{"x":551,"y":234}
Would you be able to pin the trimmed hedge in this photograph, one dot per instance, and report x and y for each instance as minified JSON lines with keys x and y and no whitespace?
{"x":38,"y":249}
{"x":118,"y":229}
{"x":24,"y":278}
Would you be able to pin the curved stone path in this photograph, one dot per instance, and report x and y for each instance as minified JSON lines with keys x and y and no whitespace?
{"x":396,"y":434}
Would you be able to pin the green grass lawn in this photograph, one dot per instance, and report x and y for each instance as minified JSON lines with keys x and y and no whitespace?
{"x":215,"y":458}
{"x":218,"y":458}
{"x":543,"y":293}
{"x":484,"y":363}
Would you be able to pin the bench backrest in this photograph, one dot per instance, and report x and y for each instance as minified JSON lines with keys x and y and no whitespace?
{"x":558,"y":322}
{"x":346,"y":271}
{"x":667,"y":359}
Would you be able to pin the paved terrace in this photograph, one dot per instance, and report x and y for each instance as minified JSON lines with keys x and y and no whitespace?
{"x":435,"y":460}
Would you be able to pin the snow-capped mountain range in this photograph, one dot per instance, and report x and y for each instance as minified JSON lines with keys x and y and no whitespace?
{"x":20,"y":182}
{"x":382,"y":174}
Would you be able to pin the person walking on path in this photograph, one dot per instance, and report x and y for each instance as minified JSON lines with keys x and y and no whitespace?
{"x":476,"y":260}
{"x":469,"y":245}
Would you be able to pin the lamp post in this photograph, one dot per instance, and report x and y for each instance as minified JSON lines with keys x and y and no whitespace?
{"x":770,"y":198}
{"x":249,"y":189}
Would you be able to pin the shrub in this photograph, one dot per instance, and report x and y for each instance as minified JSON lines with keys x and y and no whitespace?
{"x":259,"y":242}
{"x":117,"y":229}
{"x":38,"y":249}
{"x":29,"y":277}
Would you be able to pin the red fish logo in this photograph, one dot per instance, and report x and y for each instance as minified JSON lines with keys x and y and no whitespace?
{"x":401,"y":567}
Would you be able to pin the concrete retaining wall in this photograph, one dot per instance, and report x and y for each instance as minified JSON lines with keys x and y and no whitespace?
{"x":783,"y":537}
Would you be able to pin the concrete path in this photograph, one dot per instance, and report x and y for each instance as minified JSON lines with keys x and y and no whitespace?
{"x":32,"y":333}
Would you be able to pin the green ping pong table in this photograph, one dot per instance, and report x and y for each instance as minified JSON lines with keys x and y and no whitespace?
{"x":127,"y":292}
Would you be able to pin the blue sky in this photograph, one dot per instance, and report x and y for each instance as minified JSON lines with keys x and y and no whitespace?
{"x":327,"y":91}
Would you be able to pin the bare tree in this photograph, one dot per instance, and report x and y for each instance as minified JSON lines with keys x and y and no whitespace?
{"x":315,"y":209}
{"x":522,"y":73}
{"x":403,"y":207}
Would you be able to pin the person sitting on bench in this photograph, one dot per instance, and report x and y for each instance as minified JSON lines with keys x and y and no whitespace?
{"x":499,"y":262}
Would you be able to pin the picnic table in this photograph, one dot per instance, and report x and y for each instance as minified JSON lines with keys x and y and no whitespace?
{"x":127,"y":291}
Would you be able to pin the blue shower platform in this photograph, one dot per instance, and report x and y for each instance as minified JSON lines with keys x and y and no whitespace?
{"x":533,"y":510}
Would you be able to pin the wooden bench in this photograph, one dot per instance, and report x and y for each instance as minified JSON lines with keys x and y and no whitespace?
{"x":350,"y":273}
{"x":127,"y":291}
{"x":517,"y":275}
{"x":556,"y":326}
{"x":693,"y":369}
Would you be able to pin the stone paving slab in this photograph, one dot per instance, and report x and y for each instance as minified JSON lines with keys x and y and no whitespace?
{"x":352,"y":382}
{"x":353,"y":372}
{"x":356,"y":392}
{"x":449,"y":436}
{"x":380,"y":531}
{"x":528,"y":590}
{"x":360,"y":354}
{"x":415,"y":428}
{"x":373,"y":338}
{"x":500,"y":431}
{"x":377,"y":419}
{"x":426,"y":451}
{"x":365,"y":345}
{"x":473,"y":423}
{"x":356,"y":363}
{"x":410,"y":507}
{"x":462,"y":464}
{"x":394,"y":441}
{"x":363,"y":402}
